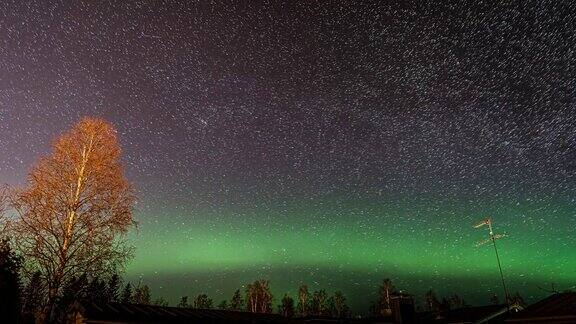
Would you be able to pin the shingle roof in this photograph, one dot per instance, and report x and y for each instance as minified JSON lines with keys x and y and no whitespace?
{"x":476,"y":314}
{"x":558,"y":307}
{"x":158,"y":314}
{"x":473,"y":314}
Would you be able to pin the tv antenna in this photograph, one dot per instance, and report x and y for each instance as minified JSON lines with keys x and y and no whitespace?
{"x":492,"y":238}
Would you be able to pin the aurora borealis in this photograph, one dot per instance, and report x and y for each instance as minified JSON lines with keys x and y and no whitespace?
{"x":421,"y":243}
{"x":321,"y":143}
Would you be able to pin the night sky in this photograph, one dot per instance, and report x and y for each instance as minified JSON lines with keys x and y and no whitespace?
{"x":315,"y":142}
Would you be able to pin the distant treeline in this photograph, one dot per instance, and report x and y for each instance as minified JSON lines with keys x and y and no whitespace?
{"x":26,"y":301}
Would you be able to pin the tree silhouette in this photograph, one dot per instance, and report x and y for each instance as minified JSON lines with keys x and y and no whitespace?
{"x":77,"y":207}
{"x":202,"y":301}
{"x":431,"y":301}
{"x":126,"y":295}
{"x":259,"y":297}
{"x":318,"y":303}
{"x":141,"y":295}
{"x":32,"y":297}
{"x":303,"y":300}
{"x":337,"y":305}
{"x":286,"y":308}
{"x":237,"y":303}
{"x":444,"y":305}
{"x":75,"y":289}
{"x":223,"y":305}
{"x":9,"y":283}
{"x":160,"y":302}
{"x":183,"y":303}
{"x":97,"y":291}
{"x":113,"y":288}
{"x":78,"y":289}
{"x":385,"y":292}
{"x":456,"y":302}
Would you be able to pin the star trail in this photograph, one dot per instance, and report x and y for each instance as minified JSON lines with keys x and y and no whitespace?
{"x":327,"y":143}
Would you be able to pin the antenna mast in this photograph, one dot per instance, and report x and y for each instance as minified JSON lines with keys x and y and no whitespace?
{"x":493,"y":237}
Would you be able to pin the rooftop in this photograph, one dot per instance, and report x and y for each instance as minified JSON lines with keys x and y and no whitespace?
{"x":122,"y":313}
{"x":557,"y":308}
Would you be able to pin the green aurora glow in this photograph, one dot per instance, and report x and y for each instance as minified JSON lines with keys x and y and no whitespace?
{"x":422,"y":243}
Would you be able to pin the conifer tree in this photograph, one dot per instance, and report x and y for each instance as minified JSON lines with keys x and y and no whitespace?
{"x":9,"y":283}
{"x":183,"y":303}
{"x":126,"y":296}
{"x":237,"y":302}
{"x":142,"y":295}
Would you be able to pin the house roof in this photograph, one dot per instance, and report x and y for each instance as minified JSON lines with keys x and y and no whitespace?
{"x":477,"y":314}
{"x":120,"y":312}
{"x":557,"y":307}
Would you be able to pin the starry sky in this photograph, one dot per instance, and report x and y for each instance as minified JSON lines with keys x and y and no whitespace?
{"x":318,"y":142}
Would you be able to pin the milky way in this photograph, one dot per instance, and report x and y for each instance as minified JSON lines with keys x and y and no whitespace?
{"x":322,"y":143}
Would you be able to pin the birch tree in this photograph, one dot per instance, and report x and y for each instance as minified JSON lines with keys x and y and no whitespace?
{"x":259,"y":297}
{"x":303,"y":300}
{"x":318,"y":303}
{"x":385,"y":292}
{"x":286,"y":307}
{"x":339,"y":302}
{"x":76,"y":209}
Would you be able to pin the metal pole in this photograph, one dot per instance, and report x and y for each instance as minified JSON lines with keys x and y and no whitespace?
{"x":506,"y":299}
{"x":493,"y":237}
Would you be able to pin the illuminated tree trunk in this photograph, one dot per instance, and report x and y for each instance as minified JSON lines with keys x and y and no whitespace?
{"x":74,"y":201}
